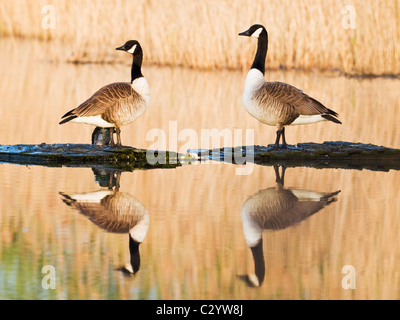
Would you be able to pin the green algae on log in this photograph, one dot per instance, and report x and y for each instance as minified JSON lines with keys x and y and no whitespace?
{"x":344,"y":155}
{"x":87,"y":155}
{"x":338,"y":154}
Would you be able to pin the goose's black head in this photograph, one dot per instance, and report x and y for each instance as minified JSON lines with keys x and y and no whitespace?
{"x":132,"y":46}
{"x":259,"y":32}
{"x":255,"y":31}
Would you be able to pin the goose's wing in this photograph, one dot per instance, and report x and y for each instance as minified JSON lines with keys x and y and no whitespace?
{"x":310,"y":202}
{"x":298,"y":212}
{"x":104,"y":98}
{"x":304,"y":209}
{"x":89,"y":204}
{"x":287,"y":95}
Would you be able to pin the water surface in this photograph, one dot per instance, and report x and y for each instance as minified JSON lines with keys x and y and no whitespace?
{"x":195,"y":246}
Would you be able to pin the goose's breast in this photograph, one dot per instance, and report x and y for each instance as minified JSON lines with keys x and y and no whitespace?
{"x":261,"y":114}
{"x":267,"y":111}
{"x":126,"y":112}
{"x":259,"y":104}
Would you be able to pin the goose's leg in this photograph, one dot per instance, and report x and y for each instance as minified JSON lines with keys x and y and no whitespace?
{"x":277,"y":175}
{"x":118,"y":130}
{"x":118,"y":179}
{"x":280,"y":178}
{"x":284,"y":144}
{"x":283,"y":175}
{"x":110,"y":181}
{"x":278,"y":137}
{"x":112,"y":143}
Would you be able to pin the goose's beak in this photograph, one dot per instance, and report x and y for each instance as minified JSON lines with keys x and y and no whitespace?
{"x":245,"y":33}
{"x":121,"y":48}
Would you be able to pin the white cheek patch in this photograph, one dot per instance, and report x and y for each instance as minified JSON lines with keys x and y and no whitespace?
{"x":91,"y":197}
{"x":132,"y":50}
{"x":257,"y":33}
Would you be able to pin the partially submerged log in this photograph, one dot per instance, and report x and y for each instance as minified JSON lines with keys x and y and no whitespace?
{"x":339,"y":154}
{"x":344,"y":155}
{"x":88,"y":155}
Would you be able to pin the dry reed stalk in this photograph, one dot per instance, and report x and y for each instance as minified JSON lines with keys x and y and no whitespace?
{"x":203,"y":34}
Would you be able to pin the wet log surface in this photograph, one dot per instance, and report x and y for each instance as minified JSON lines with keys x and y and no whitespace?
{"x":335,"y":154}
{"x":344,"y":155}
{"x":87,"y":155}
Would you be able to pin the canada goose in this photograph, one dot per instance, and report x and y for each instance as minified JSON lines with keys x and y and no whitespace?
{"x":275,"y":209}
{"x":276,"y":103}
{"x":119,"y":103}
{"x":116,"y":212}
{"x":102,"y":136}
{"x":107,"y":178}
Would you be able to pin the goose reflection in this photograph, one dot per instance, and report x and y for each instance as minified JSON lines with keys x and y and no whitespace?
{"x":114,"y":211}
{"x":276,"y":208}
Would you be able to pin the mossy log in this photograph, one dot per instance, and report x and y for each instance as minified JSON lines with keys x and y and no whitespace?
{"x":88,"y":155}
{"x":344,"y":155}
{"x":338,"y":154}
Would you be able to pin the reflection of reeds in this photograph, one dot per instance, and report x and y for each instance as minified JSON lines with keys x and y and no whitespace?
{"x":203,"y":34}
{"x":195,"y":247}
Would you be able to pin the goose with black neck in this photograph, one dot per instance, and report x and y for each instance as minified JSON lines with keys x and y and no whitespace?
{"x":276,"y":103}
{"x":117,"y":104}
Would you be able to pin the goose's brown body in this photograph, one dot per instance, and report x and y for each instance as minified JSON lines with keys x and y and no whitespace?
{"x":282,"y":104}
{"x":116,"y":212}
{"x":117,"y":104}
{"x":277,"y":208}
{"x":275,"y":103}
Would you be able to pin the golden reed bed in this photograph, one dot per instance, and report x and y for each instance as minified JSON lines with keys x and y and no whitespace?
{"x":355,"y":37}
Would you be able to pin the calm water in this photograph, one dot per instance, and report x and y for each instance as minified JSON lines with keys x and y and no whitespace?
{"x":196,"y":246}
